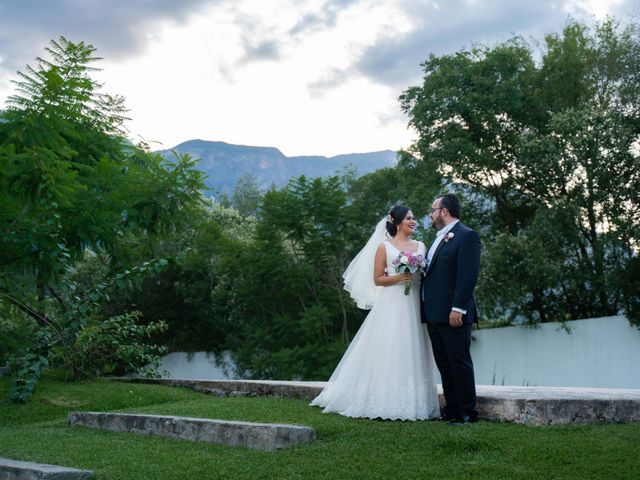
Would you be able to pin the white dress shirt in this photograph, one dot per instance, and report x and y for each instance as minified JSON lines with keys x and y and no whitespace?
{"x":440,"y":236}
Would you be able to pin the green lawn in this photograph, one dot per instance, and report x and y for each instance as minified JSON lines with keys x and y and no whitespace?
{"x":345,"y":448}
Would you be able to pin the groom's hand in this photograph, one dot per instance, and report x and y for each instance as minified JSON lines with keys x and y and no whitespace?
{"x":455,"y":319}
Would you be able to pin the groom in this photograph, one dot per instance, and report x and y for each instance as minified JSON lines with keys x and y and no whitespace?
{"x":448,"y":306}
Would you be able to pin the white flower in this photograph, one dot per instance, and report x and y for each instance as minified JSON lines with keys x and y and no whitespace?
{"x":449,"y":236}
{"x":404,"y":259}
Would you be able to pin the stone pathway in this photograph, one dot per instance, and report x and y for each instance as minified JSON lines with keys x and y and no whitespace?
{"x":258,"y":436}
{"x":17,"y":470}
{"x":529,"y":405}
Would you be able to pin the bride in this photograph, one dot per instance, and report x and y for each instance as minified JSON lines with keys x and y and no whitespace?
{"x":388,"y":371}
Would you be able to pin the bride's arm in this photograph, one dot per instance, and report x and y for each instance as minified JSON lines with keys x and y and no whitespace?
{"x":380,"y":264}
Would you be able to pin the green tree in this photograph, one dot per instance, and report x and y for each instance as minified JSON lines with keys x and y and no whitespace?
{"x":469,"y":113}
{"x":182,"y":294}
{"x":550,"y":139}
{"x":247,"y":196}
{"x":71,"y":183}
{"x":284,"y":294}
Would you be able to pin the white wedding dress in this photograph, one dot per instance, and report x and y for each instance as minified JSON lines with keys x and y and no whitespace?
{"x":388,"y":371}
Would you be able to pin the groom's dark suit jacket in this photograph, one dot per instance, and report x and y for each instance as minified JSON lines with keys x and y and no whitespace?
{"x":451,"y":278}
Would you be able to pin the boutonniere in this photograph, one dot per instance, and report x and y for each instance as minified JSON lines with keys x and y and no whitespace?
{"x":449,"y":236}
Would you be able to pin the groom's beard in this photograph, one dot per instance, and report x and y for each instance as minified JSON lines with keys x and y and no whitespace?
{"x":437,"y":224}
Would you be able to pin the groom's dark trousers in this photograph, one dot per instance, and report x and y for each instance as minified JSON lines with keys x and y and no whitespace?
{"x":450,"y":282}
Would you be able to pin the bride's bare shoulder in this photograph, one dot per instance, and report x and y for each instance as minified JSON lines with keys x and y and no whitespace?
{"x":381,"y":253}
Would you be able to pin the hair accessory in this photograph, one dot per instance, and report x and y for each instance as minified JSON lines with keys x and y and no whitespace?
{"x":389,"y":218}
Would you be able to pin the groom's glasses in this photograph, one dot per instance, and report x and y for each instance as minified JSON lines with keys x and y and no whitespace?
{"x":434,"y":209}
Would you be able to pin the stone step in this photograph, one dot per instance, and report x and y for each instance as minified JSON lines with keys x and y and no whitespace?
{"x":558,"y":405}
{"x":259,"y":436}
{"x":529,"y":405}
{"x":18,"y":470}
{"x":241,"y":388}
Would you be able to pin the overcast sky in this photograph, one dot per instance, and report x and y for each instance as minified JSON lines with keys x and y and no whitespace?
{"x":310,"y":77}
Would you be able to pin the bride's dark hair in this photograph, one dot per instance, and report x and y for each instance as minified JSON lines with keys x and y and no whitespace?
{"x":396,"y":215}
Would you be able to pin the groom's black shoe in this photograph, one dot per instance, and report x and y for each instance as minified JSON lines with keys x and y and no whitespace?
{"x":463,"y":420}
{"x":447,"y":417}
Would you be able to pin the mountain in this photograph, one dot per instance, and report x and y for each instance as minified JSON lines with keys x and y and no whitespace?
{"x":225,"y":163}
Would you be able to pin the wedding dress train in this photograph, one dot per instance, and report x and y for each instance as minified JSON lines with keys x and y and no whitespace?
{"x":388,"y":370}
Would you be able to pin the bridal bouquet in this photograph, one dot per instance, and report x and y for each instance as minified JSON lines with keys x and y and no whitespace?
{"x":409,"y":262}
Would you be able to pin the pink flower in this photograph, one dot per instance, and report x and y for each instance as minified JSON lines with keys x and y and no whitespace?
{"x":409,"y":262}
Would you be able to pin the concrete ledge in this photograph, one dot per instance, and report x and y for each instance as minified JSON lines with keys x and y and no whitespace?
{"x":17,"y":470}
{"x":529,"y":405}
{"x":242,"y":388}
{"x":259,"y":436}
{"x":556,"y":405}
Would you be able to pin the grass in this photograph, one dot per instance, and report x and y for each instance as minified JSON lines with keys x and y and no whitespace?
{"x":345,"y":448}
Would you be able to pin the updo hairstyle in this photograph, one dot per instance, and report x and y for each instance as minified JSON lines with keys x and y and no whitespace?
{"x":395,"y":218}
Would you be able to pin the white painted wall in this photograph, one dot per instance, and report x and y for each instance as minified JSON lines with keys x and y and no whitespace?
{"x":599,"y":352}
{"x":196,"y":366}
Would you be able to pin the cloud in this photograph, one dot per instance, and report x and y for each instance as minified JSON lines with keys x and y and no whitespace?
{"x":266,"y":39}
{"x":391,"y":117}
{"x":440,"y":28}
{"x":268,"y":49}
{"x":331,"y":79}
{"x":116,"y":28}
{"x":326,"y":18}
{"x":393,"y":58}
{"x":259,"y":39}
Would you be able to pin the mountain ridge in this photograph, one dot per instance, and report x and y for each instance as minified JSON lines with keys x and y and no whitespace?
{"x":225,"y":163}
